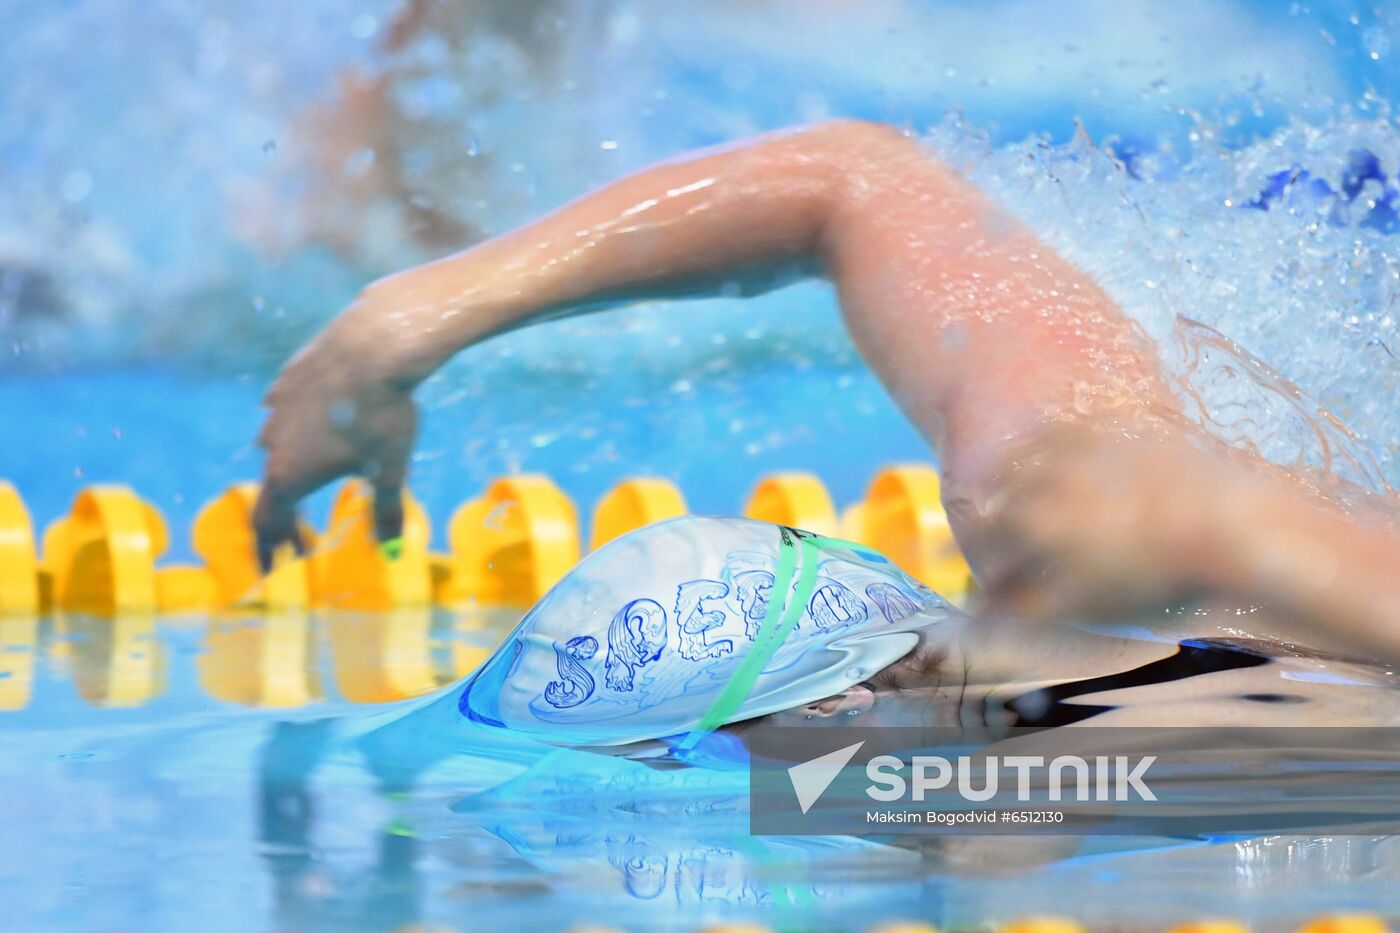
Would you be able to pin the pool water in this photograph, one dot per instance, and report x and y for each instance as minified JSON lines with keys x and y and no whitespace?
{"x":251,"y":773}
{"x":180,"y":438}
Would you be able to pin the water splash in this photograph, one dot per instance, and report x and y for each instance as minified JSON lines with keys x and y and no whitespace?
{"x":1277,"y":251}
{"x":1249,"y":404}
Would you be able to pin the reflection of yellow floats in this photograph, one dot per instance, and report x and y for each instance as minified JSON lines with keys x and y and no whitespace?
{"x":475,"y":634}
{"x":1341,"y":923}
{"x":117,"y":662}
{"x":265,"y":659}
{"x":19,"y":638}
{"x":383,"y":656}
{"x":506,"y":547}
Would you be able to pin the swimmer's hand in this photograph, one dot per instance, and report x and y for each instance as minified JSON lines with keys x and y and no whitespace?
{"x":341,"y":406}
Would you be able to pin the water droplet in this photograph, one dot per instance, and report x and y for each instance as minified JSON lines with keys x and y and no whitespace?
{"x":1377,"y":43}
{"x":359,"y":162}
{"x":342,"y":413}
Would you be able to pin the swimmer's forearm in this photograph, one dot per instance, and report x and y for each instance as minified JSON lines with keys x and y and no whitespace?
{"x":752,"y":217}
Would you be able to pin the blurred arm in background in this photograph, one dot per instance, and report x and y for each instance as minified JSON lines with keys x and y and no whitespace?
{"x":1073,"y":480}
{"x":366,"y":172}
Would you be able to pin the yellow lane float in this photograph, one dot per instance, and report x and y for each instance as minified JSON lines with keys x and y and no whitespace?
{"x":632,"y":504}
{"x":1210,"y":926}
{"x":223,"y":538}
{"x":19,"y":568}
{"x":514,"y":543}
{"x":184,"y":588}
{"x":1345,"y":923}
{"x":506,"y":547}
{"x":1042,"y":925}
{"x":352,"y":570}
{"x":798,"y":500}
{"x":902,"y":517}
{"x":102,"y":555}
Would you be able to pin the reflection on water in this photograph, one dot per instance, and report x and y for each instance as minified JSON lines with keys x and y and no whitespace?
{"x":115,"y":662}
{"x":260,"y":660}
{"x":229,"y":773}
{"x":280,"y":660}
{"x":17,"y":639}
{"x":408,"y":652}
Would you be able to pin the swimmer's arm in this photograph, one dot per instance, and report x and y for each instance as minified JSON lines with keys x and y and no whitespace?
{"x":753,"y":215}
{"x":741,"y":220}
{"x":1335,"y":573}
{"x":1098,"y":525}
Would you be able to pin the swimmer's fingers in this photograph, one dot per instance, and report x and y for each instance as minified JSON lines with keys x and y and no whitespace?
{"x":389,"y":424}
{"x":275,"y":523}
{"x":387,"y":481}
{"x":275,"y":519}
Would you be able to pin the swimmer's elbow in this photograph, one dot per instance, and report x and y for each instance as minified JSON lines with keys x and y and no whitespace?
{"x":830,"y":161}
{"x":865,"y":133}
{"x":835,"y":144}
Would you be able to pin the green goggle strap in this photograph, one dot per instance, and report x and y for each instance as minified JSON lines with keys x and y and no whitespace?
{"x":778,"y":622}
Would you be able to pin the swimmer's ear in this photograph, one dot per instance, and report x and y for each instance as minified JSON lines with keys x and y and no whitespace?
{"x":855,"y":699}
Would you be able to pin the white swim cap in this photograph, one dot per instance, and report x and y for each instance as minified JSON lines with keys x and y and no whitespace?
{"x":648,"y":637}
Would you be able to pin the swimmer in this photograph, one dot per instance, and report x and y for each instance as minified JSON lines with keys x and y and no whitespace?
{"x":1074,"y":482}
{"x":699,"y":625}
